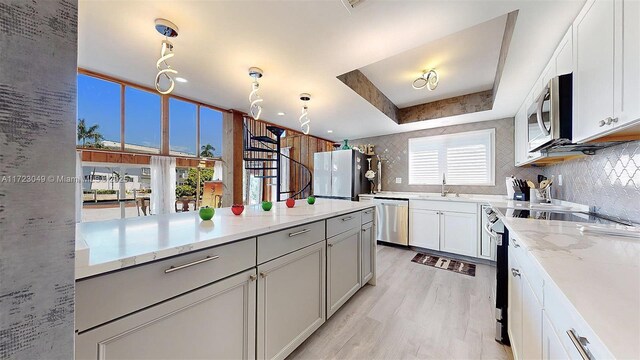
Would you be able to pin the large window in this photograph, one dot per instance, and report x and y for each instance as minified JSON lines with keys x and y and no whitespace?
{"x":99,"y":105}
{"x":211,"y":132}
{"x":183,"y":118}
{"x":463,"y":159}
{"x":142,"y":113}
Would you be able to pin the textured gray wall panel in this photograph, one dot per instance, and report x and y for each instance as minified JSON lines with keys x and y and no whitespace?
{"x":394,"y":148}
{"x":609,"y":180}
{"x":38,"y":51}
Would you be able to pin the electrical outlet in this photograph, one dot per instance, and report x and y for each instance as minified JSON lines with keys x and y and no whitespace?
{"x":559,"y":180}
{"x":398,"y":180}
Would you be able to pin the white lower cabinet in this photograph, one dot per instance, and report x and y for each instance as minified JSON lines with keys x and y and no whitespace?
{"x":424,"y":228}
{"x":552,"y":348}
{"x":368,"y":253}
{"x":291,"y":301}
{"x":343,"y":268}
{"x":444,"y":226}
{"x":514,"y":311}
{"x":213,"y":322}
{"x":459,"y":233}
{"x":531,"y":322}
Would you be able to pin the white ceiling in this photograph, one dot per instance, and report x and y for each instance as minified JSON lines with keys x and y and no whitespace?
{"x":303,"y":45}
{"x":466,"y":62}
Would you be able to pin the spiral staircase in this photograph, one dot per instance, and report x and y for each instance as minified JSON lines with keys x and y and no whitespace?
{"x":261,"y":145}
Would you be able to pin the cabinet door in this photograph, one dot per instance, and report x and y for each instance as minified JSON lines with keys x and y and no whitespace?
{"x":531,"y":321}
{"x":424,"y":228}
{"x":627,"y":78}
{"x":552,"y":348}
{"x":564,"y":54}
{"x":368,"y":253}
{"x":215,"y":322}
{"x":459,"y":233}
{"x":514,"y":311}
{"x":343,"y":269}
{"x":291,"y":300}
{"x":593,"y":36}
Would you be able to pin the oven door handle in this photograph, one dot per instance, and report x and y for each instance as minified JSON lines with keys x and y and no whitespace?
{"x":543,"y":128}
{"x":489,"y":231}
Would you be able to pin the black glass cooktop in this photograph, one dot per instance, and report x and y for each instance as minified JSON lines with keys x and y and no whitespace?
{"x":554,"y":215}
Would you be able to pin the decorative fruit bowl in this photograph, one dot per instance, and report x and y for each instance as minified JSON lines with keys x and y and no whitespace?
{"x":206,"y":213}
{"x":266,"y":205}
{"x":237,"y":209}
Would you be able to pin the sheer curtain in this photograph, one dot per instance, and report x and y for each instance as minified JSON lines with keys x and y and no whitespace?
{"x":163,"y":185}
{"x":79,"y":180}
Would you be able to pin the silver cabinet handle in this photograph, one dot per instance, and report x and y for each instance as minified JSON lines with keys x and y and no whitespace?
{"x":515,"y":244}
{"x":581,"y":344}
{"x":367,"y":212}
{"x":263,"y":275}
{"x":347,"y":218}
{"x":601,"y":123}
{"x":252,"y":277}
{"x":303,"y":231}
{"x":364,"y":230}
{"x":614,"y":120}
{"x":180,"y":267}
{"x":608,"y":121}
{"x":515,"y":272}
{"x":330,"y":245}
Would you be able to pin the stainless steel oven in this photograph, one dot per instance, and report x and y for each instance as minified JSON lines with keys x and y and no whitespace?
{"x":549,"y":117}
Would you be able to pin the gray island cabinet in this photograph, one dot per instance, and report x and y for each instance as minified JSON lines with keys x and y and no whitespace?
{"x":255,"y":298}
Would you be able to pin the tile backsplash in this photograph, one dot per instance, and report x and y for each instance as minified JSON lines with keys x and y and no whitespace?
{"x":393,"y":150}
{"x":609,"y":181}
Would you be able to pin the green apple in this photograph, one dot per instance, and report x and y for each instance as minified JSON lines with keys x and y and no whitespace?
{"x":311,"y":200}
{"x":206,"y":213}
{"x":266,"y":205}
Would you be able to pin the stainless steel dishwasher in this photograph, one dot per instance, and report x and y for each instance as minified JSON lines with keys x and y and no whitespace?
{"x":393,"y":220}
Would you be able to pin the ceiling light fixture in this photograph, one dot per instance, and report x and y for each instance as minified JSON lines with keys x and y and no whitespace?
{"x":281,"y":113}
{"x":330,"y":131}
{"x":168,"y":29}
{"x":428,"y":79}
{"x":254,"y":99}
{"x":181,"y":79}
{"x":304,"y":117}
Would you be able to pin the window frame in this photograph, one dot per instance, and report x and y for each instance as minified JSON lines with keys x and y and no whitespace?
{"x":443,"y":167}
{"x":164,"y":116}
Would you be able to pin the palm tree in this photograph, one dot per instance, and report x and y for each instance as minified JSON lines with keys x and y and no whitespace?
{"x":90,"y":133}
{"x":207,"y":151}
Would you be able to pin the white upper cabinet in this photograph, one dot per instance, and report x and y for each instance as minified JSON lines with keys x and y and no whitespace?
{"x":593,"y":35}
{"x":606,"y":81}
{"x":564,"y":54}
{"x":627,"y":62}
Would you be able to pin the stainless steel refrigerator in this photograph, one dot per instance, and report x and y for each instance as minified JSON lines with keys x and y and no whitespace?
{"x":340,"y":174}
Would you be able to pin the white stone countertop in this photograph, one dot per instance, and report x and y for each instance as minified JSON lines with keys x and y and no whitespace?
{"x":115,"y":244}
{"x":599,"y":275}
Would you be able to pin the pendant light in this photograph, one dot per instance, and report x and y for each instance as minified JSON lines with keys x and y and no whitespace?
{"x":254,"y":99}
{"x":304,"y":116}
{"x":168,"y":29}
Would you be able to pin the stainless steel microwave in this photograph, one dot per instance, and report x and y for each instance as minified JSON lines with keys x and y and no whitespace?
{"x":549,"y":118}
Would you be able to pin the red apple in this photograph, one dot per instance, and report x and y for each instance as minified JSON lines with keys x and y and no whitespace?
{"x":237,"y":209}
{"x":291,"y":202}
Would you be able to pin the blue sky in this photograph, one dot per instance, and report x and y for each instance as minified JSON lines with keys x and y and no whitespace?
{"x":99,"y":103}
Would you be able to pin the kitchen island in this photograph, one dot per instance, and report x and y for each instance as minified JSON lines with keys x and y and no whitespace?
{"x":254,"y":285}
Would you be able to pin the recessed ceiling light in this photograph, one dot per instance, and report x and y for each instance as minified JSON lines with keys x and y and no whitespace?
{"x":330,"y":131}
{"x":181,"y":79}
{"x":281,"y":113}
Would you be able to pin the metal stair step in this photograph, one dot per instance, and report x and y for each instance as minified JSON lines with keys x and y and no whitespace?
{"x":264,"y":139}
{"x":275,"y":130}
{"x":260,"y":168}
{"x":265,"y":177}
{"x":258,"y":159}
{"x":257,"y":149}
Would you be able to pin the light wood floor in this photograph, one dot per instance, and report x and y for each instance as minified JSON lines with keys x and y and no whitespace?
{"x":414,"y":312}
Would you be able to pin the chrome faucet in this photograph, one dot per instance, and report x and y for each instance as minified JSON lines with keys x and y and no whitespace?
{"x":444,"y":192}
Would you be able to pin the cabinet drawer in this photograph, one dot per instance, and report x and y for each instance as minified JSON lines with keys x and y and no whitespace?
{"x":528,"y":266}
{"x":565,"y":318}
{"x":110,"y":296}
{"x":367,"y":215}
{"x":343,"y":223}
{"x":444,"y":205}
{"x":279,"y":243}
